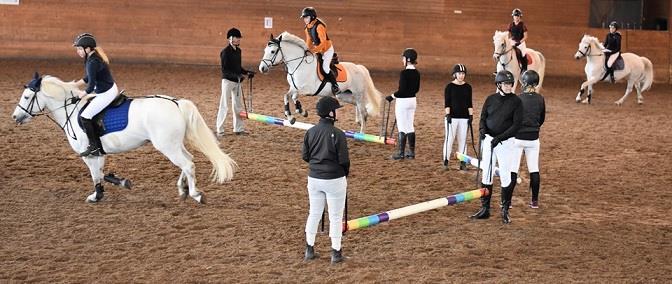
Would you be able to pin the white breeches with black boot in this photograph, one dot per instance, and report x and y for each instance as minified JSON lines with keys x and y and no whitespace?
{"x":333,"y":193}
{"x":327,"y":56}
{"x":404,"y":111}
{"x":96,"y":105}
{"x":231,"y":91}
{"x":531,"y":150}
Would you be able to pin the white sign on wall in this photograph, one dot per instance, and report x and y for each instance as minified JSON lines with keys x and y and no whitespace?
{"x":9,"y":2}
{"x":268,"y":22}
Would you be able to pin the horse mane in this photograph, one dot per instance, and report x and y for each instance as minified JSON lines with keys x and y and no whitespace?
{"x":54,"y":87}
{"x":593,"y":39}
{"x":286,"y":36}
{"x":504,"y":35}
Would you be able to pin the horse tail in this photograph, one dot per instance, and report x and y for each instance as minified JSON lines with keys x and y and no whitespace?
{"x":200,"y":136}
{"x":374,"y":98}
{"x":648,"y":74}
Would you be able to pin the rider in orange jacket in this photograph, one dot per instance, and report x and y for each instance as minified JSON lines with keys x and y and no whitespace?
{"x":318,"y":42}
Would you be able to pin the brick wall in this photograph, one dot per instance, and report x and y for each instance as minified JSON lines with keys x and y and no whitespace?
{"x":370,"y":32}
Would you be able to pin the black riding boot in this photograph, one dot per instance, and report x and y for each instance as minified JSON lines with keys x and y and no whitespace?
{"x":401,"y":146}
{"x":512,"y":185}
{"x":411,"y":146}
{"x":310,"y":253}
{"x":334,"y":85}
{"x":523,"y":63}
{"x":535,"y":183}
{"x":336,"y":256}
{"x":611,"y":74}
{"x":95,"y":148}
{"x":507,"y":193}
{"x":484,"y":211}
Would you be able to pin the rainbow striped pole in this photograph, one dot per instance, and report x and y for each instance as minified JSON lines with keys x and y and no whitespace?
{"x":474,"y":162}
{"x":373,"y":220}
{"x":305,"y":126}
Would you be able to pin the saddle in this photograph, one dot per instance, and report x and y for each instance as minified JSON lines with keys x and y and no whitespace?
{"x":336,"y":68}
{"x":523,"y":62}
{"x":114,"y":117}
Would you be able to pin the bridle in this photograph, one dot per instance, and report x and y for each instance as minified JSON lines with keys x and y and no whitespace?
{"x":586,"y":53}
{"x":67,"y":128}
{"x":500,"y":54}
{"x":271,"y":62}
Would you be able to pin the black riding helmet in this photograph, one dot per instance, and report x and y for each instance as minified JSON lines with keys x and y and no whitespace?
{"x":504,"y":76}
{"x":459,"y":68}
{"x":517,"y":12}
{"x":309,"y":12}
{"x":410,"y":54}
{"x":326,"y":105}
{"x":233,"y":32}
{"x":530,"y":78}
{"x":614,"y":24}
{"x":85,"y":40}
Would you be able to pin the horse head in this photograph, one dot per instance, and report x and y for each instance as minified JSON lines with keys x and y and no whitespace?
{"x":272,"y":54}
{"x":39,"y":95}
{"x":586,"y":46}
{"x":502,"y":44}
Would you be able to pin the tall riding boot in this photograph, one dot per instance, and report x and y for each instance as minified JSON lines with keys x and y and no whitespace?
{"x":411,"y":146}
{"x":610,"y":70}
{"x":95,"y":148}
{"x":484,"y":211}
{"x":523,"y":63}
{"x":310,"y":253}
{"x":334,"y":85}
{"x":512,"y":185}
{"x":401,"y":146}
{"x":535,"y":183}
{"x":507,"y":193}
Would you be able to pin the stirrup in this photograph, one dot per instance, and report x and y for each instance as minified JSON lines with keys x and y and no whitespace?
{"x":90,"y":151}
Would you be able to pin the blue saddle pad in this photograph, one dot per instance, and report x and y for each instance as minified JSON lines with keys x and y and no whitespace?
{"x":116,"y":118}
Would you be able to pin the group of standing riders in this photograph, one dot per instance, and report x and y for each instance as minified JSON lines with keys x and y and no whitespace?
{"x":508,"y":127}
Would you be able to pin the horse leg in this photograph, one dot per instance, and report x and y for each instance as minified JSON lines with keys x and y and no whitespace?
{"x":590,"y":94}
{"x":362,"y":115}
{"x":96,"y":165}
{"x":183,"y":181}
{"x":640,"y":97}
{"x":586,"y":86}
{"x":628,"y":90}
{"x":180,"y":157}
{"x":288,"y":113}
{"x":297,"y":104}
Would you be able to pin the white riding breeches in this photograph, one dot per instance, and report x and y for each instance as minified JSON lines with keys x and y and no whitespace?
{"x":333,"y":191}
{"x":458,"y":126}
{"x":531,"y":149}
{"x":404,"y":111}
{"x":523,"y":48}
{"x":326,"y":59}
{"x":230,"y":91}
{"x":501,"y":156}
{"x":101,"y":101}
{"x":612,"y":59}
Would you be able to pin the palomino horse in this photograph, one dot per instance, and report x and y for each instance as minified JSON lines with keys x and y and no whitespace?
{"x":637,"y":70}
{"x":301,"y":67}
{"x":163,"y":121}
{"x":506,"y":58}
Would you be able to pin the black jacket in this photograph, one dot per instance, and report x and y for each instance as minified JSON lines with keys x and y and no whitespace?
{"x":232,"y":69}
{"x":534,"y":114}
{"x":326,"y":151}
{"x":501,"y":116}
{"x":409,"y":83}
{"x":98,"y":75}
{"x":613,"y":42}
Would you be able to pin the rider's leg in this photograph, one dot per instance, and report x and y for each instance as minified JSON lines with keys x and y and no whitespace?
{"x":523,"y":55}
{"x":610,"y":64}
{"x":96,"y":105}
{"x":326,"y":61}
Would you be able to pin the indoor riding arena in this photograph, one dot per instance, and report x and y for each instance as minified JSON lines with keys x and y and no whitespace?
{"x":604,"y":208}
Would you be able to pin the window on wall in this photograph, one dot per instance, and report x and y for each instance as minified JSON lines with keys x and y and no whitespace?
{"x":630,"y":14}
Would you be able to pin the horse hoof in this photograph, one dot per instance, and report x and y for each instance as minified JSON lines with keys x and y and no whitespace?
{"x":94,"y":198}
{"x":199,"y":197}
{"x":127,"y":184}
{"x":291,"y":121}
{"x":305,"y":114}
{"x":183,"y":195}
{"x":619,"y":103}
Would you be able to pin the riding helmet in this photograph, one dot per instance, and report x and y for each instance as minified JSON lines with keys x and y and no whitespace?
{"x":309,"y":12}
{"x":459,"y":68}
{"x":233,"y":32}
{"x":613,"y":24}
{"x":410,"y":54}
{"x":85,"y":40}
{"x":517,"y":12}
{"x":530,"y":78}
{"x":504,"y":76}
{"x":326,"y":105}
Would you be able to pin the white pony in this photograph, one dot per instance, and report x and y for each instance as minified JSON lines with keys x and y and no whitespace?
{"x":301,"y":67}
{"x":163,"y":121}
{"x":637,"y":70}
{"x":506,"y":58}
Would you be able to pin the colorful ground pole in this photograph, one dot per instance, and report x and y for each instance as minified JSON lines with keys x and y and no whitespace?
{"x":373,"y":220}
{"x":305,"y":126}
{"x":474,"y":162}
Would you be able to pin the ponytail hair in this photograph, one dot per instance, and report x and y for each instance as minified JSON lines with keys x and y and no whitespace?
{"x":99,"y":50}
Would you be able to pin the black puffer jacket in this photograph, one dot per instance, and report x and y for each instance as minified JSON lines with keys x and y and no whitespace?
{"x":534,"y":114}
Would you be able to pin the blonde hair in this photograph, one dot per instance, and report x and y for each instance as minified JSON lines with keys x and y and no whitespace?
{"x":102,"y":54}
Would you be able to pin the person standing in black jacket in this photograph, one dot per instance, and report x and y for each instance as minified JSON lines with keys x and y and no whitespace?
{"x":404,"y":109}
{"x":232,"y":76}
{"x":459,"y":114}
{"x":326,"y":151}
{"x":527,"y":138}
{"x":501,"y":118}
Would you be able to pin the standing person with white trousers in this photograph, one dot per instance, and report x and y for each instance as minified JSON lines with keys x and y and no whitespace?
{"x":326,"y":152}
{"x":527,"y":138}
{"x":459,"y":114}
{"x":404,"y":109}
{"x":232,"y":77}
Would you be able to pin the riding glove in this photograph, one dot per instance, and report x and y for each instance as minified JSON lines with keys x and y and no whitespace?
{"x":389,"y":98}
{"x":495,"y":141}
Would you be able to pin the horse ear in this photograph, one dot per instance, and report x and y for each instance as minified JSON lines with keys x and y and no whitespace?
{"x":271,"y":36}
{"x":280,"y":38}
{"x":36,"y":76}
